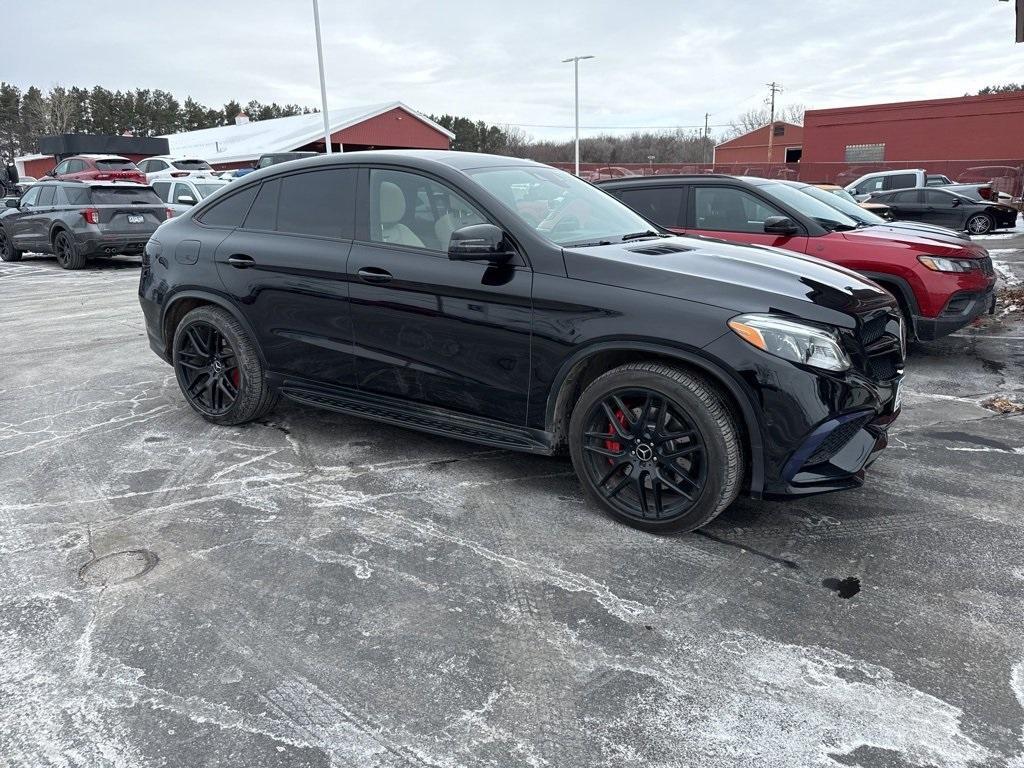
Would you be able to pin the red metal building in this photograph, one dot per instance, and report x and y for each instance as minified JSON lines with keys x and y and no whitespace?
{"x":966,"y":128}
{"x":752,"y":147}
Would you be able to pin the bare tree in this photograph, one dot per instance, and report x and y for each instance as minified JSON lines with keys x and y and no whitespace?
{"x":759,"y":117}
{"x":61,"y":110}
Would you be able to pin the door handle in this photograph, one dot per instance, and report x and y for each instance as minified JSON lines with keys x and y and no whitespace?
{"x":240,"y":260}
{"x":374,"y":275}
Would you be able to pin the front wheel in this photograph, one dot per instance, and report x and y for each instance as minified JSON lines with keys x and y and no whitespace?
{"x":219,"y":369}
{"x":980,"y":224}
{"x":656,"y":447}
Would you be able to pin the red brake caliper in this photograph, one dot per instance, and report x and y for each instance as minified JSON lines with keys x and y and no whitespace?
{"x":614,"y":445}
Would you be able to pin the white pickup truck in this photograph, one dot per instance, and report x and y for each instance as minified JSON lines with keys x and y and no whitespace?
{"x":909,"y":178}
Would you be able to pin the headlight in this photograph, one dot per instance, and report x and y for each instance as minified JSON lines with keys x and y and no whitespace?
{"x":793,"y":341}
{"x":949,"y":265}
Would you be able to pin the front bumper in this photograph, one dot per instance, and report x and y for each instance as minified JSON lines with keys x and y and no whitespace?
{"x":93,"y":244}
{"x":961,"y":309}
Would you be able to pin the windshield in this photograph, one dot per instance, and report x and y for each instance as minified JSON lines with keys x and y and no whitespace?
{"x":205,"y":190}
{"x":845,"y":203}
{"x":823,"y":212}
{"x":561,"y":207}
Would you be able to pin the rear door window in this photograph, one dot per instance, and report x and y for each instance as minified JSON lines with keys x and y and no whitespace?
{"x":901,"y":181}
{"x":658,"y":204}
{"x":939,"y":199}
{"x":77,"y":195}
{"x":124,"y":196}
{"x":263,"y":214}
{"x":319,"y":203}
{"x":910,"y":196}
{"x":229,"y":211}
{"x":77,"y":166}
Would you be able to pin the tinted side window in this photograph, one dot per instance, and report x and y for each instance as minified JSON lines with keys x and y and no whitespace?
{"x":868,"y":186}
{"x":77,"y":195}
{"x":728,"y":209}
{"x":263,"y":214}
{"x":46,"y":195}
{"x":229,"y":211}
{"x":61,"y":168}
{"x":943,"y":199}
{"x":31,"y":196}
{"x":77,"y":166}
{"x":320,"y":203}
{"x":163,"y":188}
{"x":902,"y":181}
{"x":659,"y":204}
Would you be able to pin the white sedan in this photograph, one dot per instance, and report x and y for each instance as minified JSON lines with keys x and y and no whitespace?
{"x":182,"y":194}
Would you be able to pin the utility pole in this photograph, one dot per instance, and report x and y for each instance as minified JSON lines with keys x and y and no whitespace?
{"x":775,"y":88}
{"x":576,"y":90}
{"x":323,"y":82}
{"x":704,"y":150}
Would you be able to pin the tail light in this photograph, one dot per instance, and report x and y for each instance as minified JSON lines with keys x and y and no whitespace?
{"x":986,"y":193}
{"x":179,"y":174}
{"x":169,"y":212}
{"x":103,"y":177}
{"x":91,"y":215}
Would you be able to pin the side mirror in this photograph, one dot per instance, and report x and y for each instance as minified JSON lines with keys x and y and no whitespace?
{"x":185,"y":200}
{"x":780,"y":225}
{"x":479,"y":242}
{"x":13,"y":202}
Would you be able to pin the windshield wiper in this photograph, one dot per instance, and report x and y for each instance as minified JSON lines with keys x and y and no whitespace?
{"x":638,"y":235}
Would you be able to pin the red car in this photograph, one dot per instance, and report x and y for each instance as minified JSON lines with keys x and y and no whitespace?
{"x":942,"y":282}
{"x":97,"y":168}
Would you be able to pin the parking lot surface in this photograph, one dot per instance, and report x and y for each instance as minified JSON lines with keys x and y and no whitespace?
{"x":318,"y":590}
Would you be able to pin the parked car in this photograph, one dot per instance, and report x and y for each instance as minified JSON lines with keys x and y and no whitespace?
{"x":879,"y":209}
{"x":856,"y":211}
{"x":948,"y":209}
{"x":407,"y":287}
{"x":97,"y":168}
{"x":167,"y":167}
{"x":80,"y":220}
{"x":182,"y":194}
{"x":24,"y":182}
{"x":941,"y":286}
{"x":884,"y":181}
{"x":274,"y":158}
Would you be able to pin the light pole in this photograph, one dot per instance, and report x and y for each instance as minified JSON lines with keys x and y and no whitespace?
{"x":323,"y":82}
{"x":576,"y":90}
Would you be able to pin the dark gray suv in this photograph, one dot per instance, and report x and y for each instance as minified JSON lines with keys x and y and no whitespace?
{"x":78,"y":220}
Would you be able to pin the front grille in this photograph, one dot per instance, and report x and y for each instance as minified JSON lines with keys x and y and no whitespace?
{"x":880,"y":355}
{"x":883,"y":367}
{"x":873,"y":330}
{"x":838,"y":438}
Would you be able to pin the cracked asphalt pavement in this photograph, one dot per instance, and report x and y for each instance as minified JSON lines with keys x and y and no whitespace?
{"x":318,"y":590}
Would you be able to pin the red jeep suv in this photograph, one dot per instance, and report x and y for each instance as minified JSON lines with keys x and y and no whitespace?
{"x":941,"y":281}
{"x":97,"y":168}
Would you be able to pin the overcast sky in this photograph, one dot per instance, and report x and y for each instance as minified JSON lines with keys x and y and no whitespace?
{"x":659,"y":62}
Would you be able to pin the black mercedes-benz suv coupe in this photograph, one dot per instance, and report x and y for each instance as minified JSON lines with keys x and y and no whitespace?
{"x":508,"y":303}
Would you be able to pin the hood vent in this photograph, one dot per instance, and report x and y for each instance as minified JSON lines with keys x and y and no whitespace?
{"x":660,"y":249}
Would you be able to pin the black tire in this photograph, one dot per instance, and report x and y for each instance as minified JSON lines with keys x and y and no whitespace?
{"x":980,"y":224}
{"x":699,"y":408}
{"x":7,"y":250}
{"x":68,"y":254}
{"x":254,"y":398}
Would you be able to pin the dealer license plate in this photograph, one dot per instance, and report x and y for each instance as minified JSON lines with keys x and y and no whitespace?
{"x":136,"y":219}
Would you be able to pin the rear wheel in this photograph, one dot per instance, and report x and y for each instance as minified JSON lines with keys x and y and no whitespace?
{"x":68,"y":254}
{"x":218,"y":368}
{"x":656,"y":447}
{"x":7,"y":251}
{"x":980,"y":224}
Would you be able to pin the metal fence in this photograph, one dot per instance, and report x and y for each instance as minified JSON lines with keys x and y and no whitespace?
{"x":1004,"y":175}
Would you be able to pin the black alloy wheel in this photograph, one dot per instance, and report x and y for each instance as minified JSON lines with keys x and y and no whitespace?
{"x":645,"y":456}
{"x":656,"y":447}
{"x":66,"y":251}
{"x":208,"y":369}
{"x":7,"y":252}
